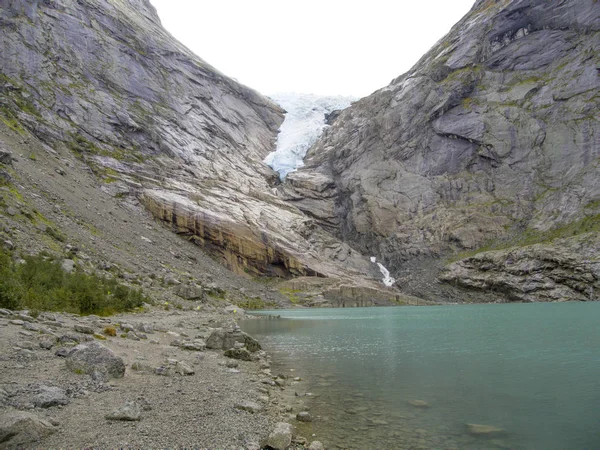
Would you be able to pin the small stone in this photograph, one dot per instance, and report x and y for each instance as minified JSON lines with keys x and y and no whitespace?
{"x":281,"y":436}
{"x":238,"y":353}
{"x":50,"y":396}
{"x":11,"y":211}
{"x":83,"y":329}
{"x":47,"y":343}
{"x":183,"y":369}
{"x":141,"y":367}
{"x":304,"y":416}
{"x":247,"y":405}
{"x":130,"y":411}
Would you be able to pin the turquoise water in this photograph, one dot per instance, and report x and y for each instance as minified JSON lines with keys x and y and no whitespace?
{"x":530,"y":369}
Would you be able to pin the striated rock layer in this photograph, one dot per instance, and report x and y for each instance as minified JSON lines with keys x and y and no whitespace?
{"x":494,"y":134}
{"x":159,"y":125}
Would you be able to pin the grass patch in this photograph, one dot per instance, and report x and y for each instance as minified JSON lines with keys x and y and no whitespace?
{"x":41,"y":284}
{"x":255,"y":303}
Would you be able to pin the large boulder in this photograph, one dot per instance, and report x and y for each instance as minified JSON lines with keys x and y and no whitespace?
{"x":20,"y":428}
{"x":281,"y":436}
{"x":94,"y":359}
{"x":224,"y":340}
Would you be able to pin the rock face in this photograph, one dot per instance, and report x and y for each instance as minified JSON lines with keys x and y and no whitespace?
{"x":162,"y":127}
{"x":492,"y":135}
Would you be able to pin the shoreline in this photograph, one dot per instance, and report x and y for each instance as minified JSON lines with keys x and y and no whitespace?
{"x":201,"y":399}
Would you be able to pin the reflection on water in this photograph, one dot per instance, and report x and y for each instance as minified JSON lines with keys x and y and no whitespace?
{"x":531,"y":370}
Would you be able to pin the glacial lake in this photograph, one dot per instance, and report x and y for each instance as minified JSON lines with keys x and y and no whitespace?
{"x":530,"y":369}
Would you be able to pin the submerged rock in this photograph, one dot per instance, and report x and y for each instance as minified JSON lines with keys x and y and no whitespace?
{"x":488,"y":431}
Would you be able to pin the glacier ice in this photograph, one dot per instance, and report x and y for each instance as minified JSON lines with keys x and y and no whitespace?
{"x":304,"y":122}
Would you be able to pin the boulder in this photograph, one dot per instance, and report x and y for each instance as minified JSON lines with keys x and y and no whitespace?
{"x":68,"y":265}
{"x":281,"y":436}
{"x":83,"y":329}
{"x":130,"y":411}
{"x":50,"y":396}
{"x":94,"y":359}
{"x":315,"y":445}
{"x":183,"y":369}
{"x":20,"y":428}
{"x":223,"y":339}
{"x":190,"y":292}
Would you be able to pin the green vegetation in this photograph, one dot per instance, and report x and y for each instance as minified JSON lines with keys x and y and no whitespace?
{"x":291,"y":294}
{"x":255,"y":303}
{"x":590,"y":224}
{"x":41,"y":284}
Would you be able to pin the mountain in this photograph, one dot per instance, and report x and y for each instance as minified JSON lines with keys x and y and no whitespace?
{"x":103,"y":87}
{"x":475,"y":176}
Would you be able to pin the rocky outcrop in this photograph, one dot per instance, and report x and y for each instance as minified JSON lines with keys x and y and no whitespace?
{"x":160,"y":125}
{"x":567,"y":269}
{"x":492,"y":134}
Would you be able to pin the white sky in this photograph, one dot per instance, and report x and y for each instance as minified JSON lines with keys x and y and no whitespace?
{"x":327,"y":47}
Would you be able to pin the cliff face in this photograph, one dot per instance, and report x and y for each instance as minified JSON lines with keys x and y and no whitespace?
{"x":160,"y":126}
{"x":494,"y":135}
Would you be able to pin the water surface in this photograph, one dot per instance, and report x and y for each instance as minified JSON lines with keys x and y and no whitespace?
{"x":531,"y":369}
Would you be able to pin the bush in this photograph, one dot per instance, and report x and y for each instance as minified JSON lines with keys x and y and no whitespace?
{"x":42,"y":285}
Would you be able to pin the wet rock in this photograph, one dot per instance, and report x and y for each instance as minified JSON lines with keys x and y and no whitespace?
{"x":304,"y":416}
{"x":281,"y":436}
{"x":20,"y":428}
{"x":488,"y":431}
{"x":50,"y":396}
{"x":315,"y":445}
{"x":247,"y":405}
{"x":130,"y":411}
{"x":93,"y":358}
{"x":238,"y":353}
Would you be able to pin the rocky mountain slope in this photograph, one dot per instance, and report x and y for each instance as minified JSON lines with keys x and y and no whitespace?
{"x":102,"y":81}
{"x":491,"y":141}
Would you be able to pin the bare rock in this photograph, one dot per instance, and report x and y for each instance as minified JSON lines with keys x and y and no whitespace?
{"x":93,"y":358}
{"x":247,"y":405}
{"x":304,"y":416}
{"x":130,"y":411}
{"x":20,"y":428}
{"x":238,"y":353}
{"x":50,"y":396}
{"x":281,"y":436}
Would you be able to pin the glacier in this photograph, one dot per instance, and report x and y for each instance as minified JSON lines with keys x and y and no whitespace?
{"x":304,"y":122}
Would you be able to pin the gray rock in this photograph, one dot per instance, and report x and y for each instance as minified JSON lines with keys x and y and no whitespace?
{"x":197,"y":345}
{"x":315,"y":445}
{"x":93,"y":358}
{"x":183,"y":369}
{"x":50,"y":396}
{"x":190,"y":292}
{"x":164,"y":371}
{"x":145,"y":328}
{"x":68,"y":265}
{"x":130,"y":411}
{"x":11,"y":211}
{"x":141,"y":367}
{"x":247,"y":405}
{"x":47,"y":343}
{"x":83,"y":329}
{"x":281,"y":436}
{"x":238,"y":353}
{"x":127,"y":327}
{"x":20,"y":428}
{"x":221,"y":339}
{"x":304,"y":416}
{"x":16,"y":322}
{"x":5,"y":157}
{"x":232,"y":364}
{"x":63,"y":352}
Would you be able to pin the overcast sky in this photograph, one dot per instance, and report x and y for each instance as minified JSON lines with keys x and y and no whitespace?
{"x":328,"y":47}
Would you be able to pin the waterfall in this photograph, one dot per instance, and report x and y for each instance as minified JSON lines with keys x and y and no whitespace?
{"x":387,"y":279}
{"x":304,"y":122}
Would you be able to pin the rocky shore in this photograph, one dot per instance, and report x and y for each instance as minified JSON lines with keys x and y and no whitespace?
{"x":156,"y":378}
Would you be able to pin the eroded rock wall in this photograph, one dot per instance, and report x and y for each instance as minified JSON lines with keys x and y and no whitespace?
{"x":494,"y":132}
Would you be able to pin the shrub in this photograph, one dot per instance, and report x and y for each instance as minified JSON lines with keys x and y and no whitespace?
{"x":41,"y":284}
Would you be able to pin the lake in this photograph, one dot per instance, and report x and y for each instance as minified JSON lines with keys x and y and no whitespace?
{"x":532,"y":370}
